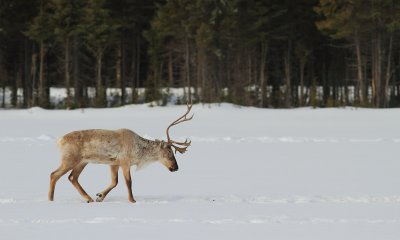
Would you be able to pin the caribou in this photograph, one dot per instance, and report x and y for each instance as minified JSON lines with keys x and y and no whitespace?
{"x":117,"y":148}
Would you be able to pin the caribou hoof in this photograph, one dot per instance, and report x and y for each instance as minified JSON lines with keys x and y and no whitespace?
{"x":99,"y":198}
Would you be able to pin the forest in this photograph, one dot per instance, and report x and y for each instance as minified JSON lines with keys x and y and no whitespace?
{"x":263,"y":53}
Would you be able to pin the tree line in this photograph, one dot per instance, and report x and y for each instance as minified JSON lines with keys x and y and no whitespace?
{"x":265,"y":53}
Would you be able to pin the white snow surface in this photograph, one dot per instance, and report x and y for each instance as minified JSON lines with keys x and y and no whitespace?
{"x":249,"y":174}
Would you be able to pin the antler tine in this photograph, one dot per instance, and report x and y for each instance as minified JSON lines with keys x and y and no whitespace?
{"x":181,"y":119}
{"x":179,"y":149}
{"x":185,"y":143}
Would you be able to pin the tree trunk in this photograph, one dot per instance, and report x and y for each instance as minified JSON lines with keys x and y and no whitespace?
{"x":133,"y":70}
{"x":202,"y":83}
{"x":78,"y":86}
{"x":98,"y":74}
{"x":3,"y":102}
{"x":135,"y":93}
{"x":123,"y":74}
{"x":302,"y":68}
{"x":287,"y":61}
{"x":32,"y":87}
{"x":118,"y":72}
{"x":373,"y":73}
{"x":346,"y":87}
{"x":138,"y":65}
{"x":376,"y":70}
{"x":263,"y":83}
{"x":100,"y":91}
{"x":379,"y":72}
{"x":25,"y":84}
{"x":187,"y":68}
{"x":42,"y":84}
{"x":170,"y":70}
{"x":67,"y":73}
{"x":360,"y":89}
{"x":14,"y":87}
{"x":199,"y":75}
{"x":388,"y":72}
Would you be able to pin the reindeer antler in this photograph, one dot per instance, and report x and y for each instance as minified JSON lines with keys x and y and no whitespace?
{"x":181,"y":119}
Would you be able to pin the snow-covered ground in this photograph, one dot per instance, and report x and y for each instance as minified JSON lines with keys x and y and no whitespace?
{"x":250,"y":174}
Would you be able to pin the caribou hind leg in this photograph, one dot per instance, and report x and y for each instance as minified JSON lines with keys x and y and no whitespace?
{"x":114,"y":182}
{"x":126,"y":170}
{"x":73,"y":178}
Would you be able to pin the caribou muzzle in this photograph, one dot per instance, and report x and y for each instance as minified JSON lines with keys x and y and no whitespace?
{"x":174,"y":168}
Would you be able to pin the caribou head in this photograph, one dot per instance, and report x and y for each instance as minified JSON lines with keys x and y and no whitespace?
{"x":167,"y":147}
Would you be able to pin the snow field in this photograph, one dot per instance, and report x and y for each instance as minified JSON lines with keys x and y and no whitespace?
{"x":249,"y":174}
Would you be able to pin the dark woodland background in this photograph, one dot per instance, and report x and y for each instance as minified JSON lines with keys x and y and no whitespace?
{"x":265,"y":53}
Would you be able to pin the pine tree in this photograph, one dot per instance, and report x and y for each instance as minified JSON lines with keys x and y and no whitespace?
{"x":100,"y":32}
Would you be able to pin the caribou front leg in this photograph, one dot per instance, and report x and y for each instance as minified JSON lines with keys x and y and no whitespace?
{"x":114,"y":182}
{"x":55,"y":176}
